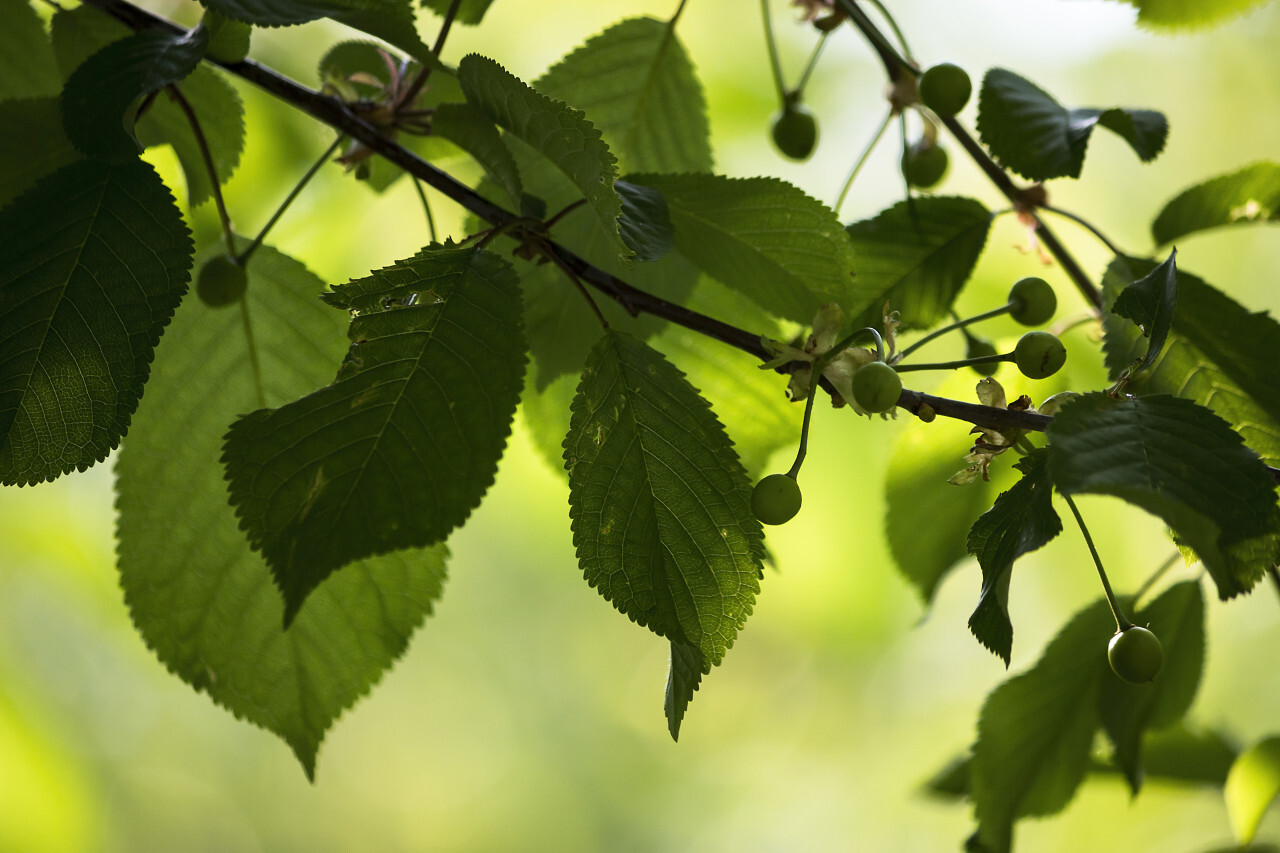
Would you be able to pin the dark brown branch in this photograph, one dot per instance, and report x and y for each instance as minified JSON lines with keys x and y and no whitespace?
{"x":334,"y":112}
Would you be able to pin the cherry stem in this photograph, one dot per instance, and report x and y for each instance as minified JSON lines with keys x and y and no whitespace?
{"x":774,"y":64}
{"x":1087,"y":225}
{"x":820,"y":364}
{"x":426,"y":208}
{"x":955,"y":365}
{"x":1155,"y":576}
{"x":803,"y":450}
{"x":811,"y":64}
{"x":893,"y":25}
{"x":958,"y":324}
{"x":861,"y":161}
{"x":420,"y":79}
{"x":207,"y":156}
{"x":243,"y":257}
{"x":1122,"y":622}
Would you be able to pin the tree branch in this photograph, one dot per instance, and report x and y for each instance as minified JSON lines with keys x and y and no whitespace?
{"x":333,"y":112}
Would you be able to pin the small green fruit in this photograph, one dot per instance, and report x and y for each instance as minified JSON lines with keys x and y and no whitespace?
{"x":776,"y":499}
{"x":876,"y":387}
{"x":795,"y":131}
{"x":979,"y":348}
{"x":1033,"y":301}
{"x":923,"y":166}
{"x":222,"y":282}
{"x":945,"y":89}
{"x":1039,"y":354}
{"x":1135,"y":654}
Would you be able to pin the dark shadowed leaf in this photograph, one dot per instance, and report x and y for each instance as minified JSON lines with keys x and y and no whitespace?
{"x":1181,"y":462}
{"x":42,"y":148}
{"x":405,"y":442}
{"x":916,"y":257}
{"x":390,"y":20}
{"x":1021,"y":520}
{"x":95,"y":259}
{"x":469,"y":11}
{"x":1150,"y":303}
{"x":645,"y":222}
{"x":660,"y":506}
{"x":474,"y":132}
{"x":203,"y":601}
{"x":27,"y":66}
{"x":682,"y":682}
{"x":1036,"y":730}
{"x":1249,"y":195}
{"x":1031,"y":133}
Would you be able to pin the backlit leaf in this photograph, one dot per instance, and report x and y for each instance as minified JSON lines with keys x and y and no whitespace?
{"x":27,"y":67}
{"x":405,"y":442}
{"x":95,"y":259}
{"x":1181,"y":462}
{"x":390,"y":20}
{"x":1188,"y":14}
{"x":203,"y":601}
{"x":1252,"y":785}
{"x":1028,"y":131}
{"x":1249,"y":195}
{"x":469,"y":11}
{"x":660,"y":507}
{"x":682,"y":682}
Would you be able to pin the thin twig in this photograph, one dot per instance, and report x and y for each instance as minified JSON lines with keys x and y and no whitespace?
{"x":420,"y":79}
{"x":426,"y":207}
{"x":207,"y":156}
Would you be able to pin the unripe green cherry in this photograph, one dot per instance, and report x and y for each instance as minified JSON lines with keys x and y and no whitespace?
{"x":1039,"y":354}
{"x":923,"y":166}
{"x":1033,"y":301}
{"x":1135,"y":654}
{"x":795,"y":131}
{"x":945,"y":89}
{"x":222,"y":281}
{"x":978,"y":348}
{"x":776,"y":499}
{"x":876,"y":387}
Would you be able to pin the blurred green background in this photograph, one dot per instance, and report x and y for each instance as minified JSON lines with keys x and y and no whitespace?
{"x":527,"y":714}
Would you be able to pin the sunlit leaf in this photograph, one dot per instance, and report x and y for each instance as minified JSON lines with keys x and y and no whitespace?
{"x":95,"y":259}
{"x":1128,"y":710}
{"x":1036,"y":730}
{"x":683,"y":679}
{"x":1181,"y":462}
{"x":1019,"y":522}
{"x":916,"y":257}
{"x":203,"y":601}
{"x":403,"y":445}
{"x":1150,"y":303}
{"x":100,"y":92}
{"x":228,"y":38}
{"x":780,"y":248}
{"x":1240,"y":198}
{"x":660,"y":507}
{"x":27,"y":66}
{"x":1219,"y":354}
{"x":1028,"y":131}
{"x":1252,"y":785}
{"x":1188,"y":14}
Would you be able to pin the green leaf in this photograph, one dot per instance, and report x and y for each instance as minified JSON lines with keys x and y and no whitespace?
{"x":1150,"y":303}
{"x":1128,"y":710}
{"x":1036,"y":730}
{"x":637,"y":84}
{"x":221,"y":117}
{"x":228,"y":38}
{"x":474,"y":132}
{"x":1249,"y":195}
{"x":389,"y":20}
{"x":203,"y":601}
{"x":555,"y":130}
{"x":108,"y":83}
{"x":683,"y":679}
{"x":918,"y":497}
{"x":40,"y":149}
{"x":469,"y":11}
{"x":660,"y":506}
{"x":1020,"y":521}
{"x":27,"y":66}
{"x":1188,"y":14}
{"x":645,"y":223}
{"x":1252,"y":785}
{"x":780,"y":248}
{"x":406,"y":441}
{"x":1179,"y":461}
{"x":1219,"y":354}
{"x":94,"y":261}
{"x":1031,"y":133}
{"x":916,"y":256}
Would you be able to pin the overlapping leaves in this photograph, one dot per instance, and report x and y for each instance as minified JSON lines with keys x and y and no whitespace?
{"x":1181,"y":462}
{"x":391,"y":20}
{"x":201,"y":598}
{"x":95,"y":259}
{"x":660,"y":507}
{"x":1151,"y":303}
{"x":405,"y":442}
{"x":1031,"y":133}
